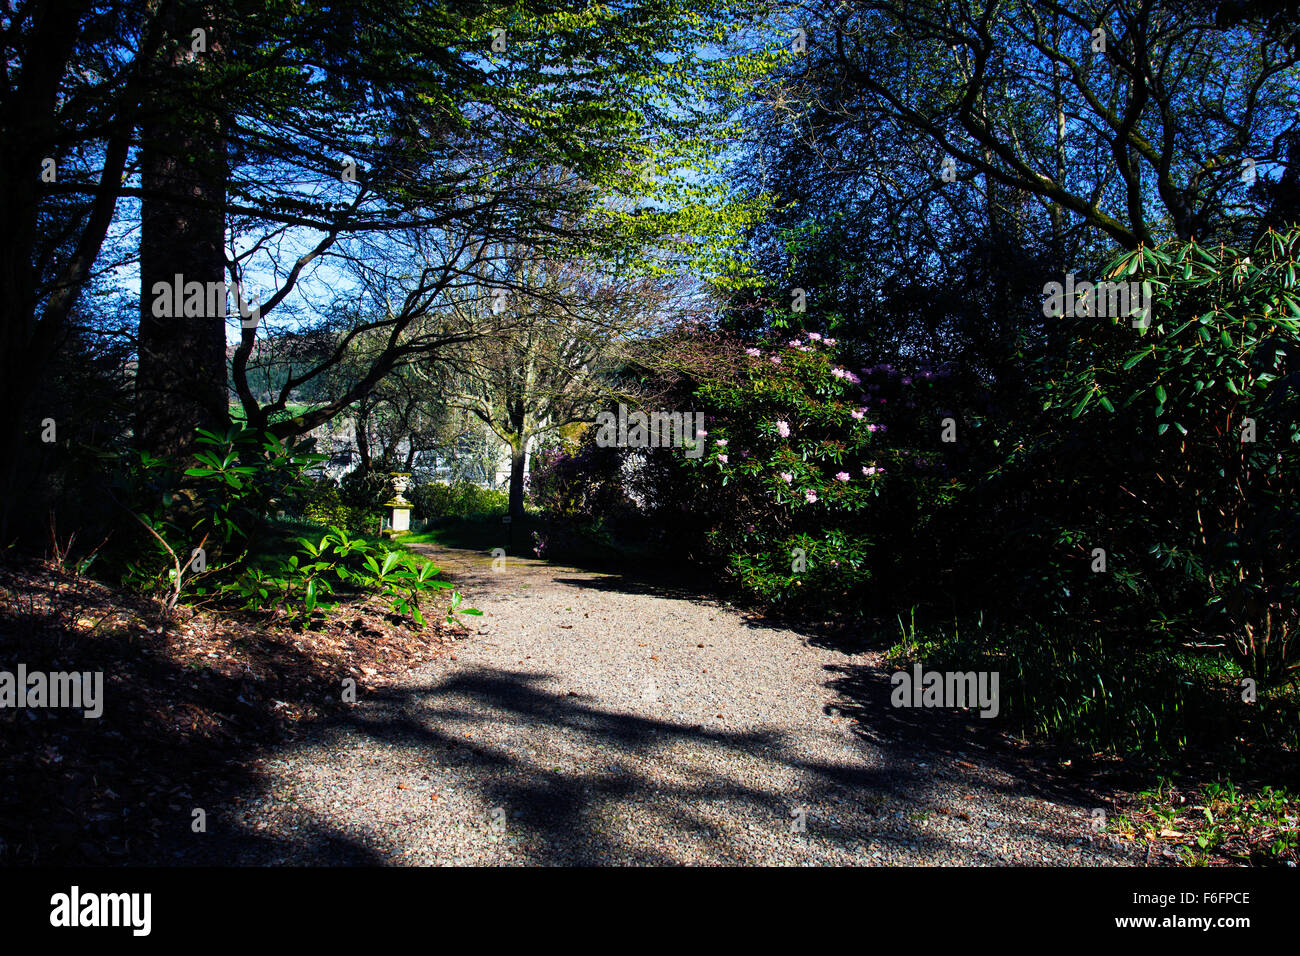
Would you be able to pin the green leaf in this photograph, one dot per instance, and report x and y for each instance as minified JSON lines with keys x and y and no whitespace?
{"x":1139,"y":357}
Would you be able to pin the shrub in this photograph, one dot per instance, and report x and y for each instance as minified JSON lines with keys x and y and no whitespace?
{"x":436,"y":500}
{"x":301,"y":585}
{"x":1203,"y":405}
{"x":323,"y":504}
{"x":582,"y":491}
{"x":194,"y":517}
{"x":810,"y":471}
{"x":365,"y":491}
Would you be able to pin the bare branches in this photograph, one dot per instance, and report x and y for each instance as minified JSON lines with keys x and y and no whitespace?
{"x":1158,"y":109}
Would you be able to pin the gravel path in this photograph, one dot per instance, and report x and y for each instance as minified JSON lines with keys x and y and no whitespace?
{"x":589,"y":720}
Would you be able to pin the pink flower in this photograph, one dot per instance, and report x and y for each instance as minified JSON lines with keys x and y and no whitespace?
{"x":787,"y":477}
{"x":830,"y":341}
{"x":868,"y":471}
{"x":794,"y":343}
{"x":783,"y":429}
{"x":873,"y":428}
{"x":810,"y":495}
{"x":858,"y":412}
{"x":842,"y":476}
{"x":776,"y":360}
{"x":723,"y":459}
{"x":814,"y":337}
{"x":753,"y":352}
{"x":722,"y":442}
{"x":852,"y":378}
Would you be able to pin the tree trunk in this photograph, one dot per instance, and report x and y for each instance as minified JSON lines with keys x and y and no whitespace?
{"x":31,"y":331}
{"x":518,"y":457}
{"x":363,"y":436}
{"x":181,"y":375}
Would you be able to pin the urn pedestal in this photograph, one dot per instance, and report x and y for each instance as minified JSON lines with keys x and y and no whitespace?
{"x":400,"y":508}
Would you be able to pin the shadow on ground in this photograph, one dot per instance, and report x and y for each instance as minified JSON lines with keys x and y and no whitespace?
{"x":123,"y":789}
{"x":577,"y":815}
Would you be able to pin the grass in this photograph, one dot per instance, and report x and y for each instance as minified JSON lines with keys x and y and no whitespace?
{"x":474,"y":533}
{"x":484,"y":532}
{"x":1058,"y":684}
{"x":480,"y":533}
{"x":1227,"y":790}
{"x":290,"y":411}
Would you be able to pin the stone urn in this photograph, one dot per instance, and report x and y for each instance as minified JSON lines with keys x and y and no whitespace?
{"x":400,"y":480}
{"x":401,"y":508}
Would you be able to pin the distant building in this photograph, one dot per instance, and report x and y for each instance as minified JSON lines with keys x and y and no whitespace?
{"x":477,"y":456}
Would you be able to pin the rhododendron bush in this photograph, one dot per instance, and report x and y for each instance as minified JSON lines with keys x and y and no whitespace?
{"x":808,"y":466}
